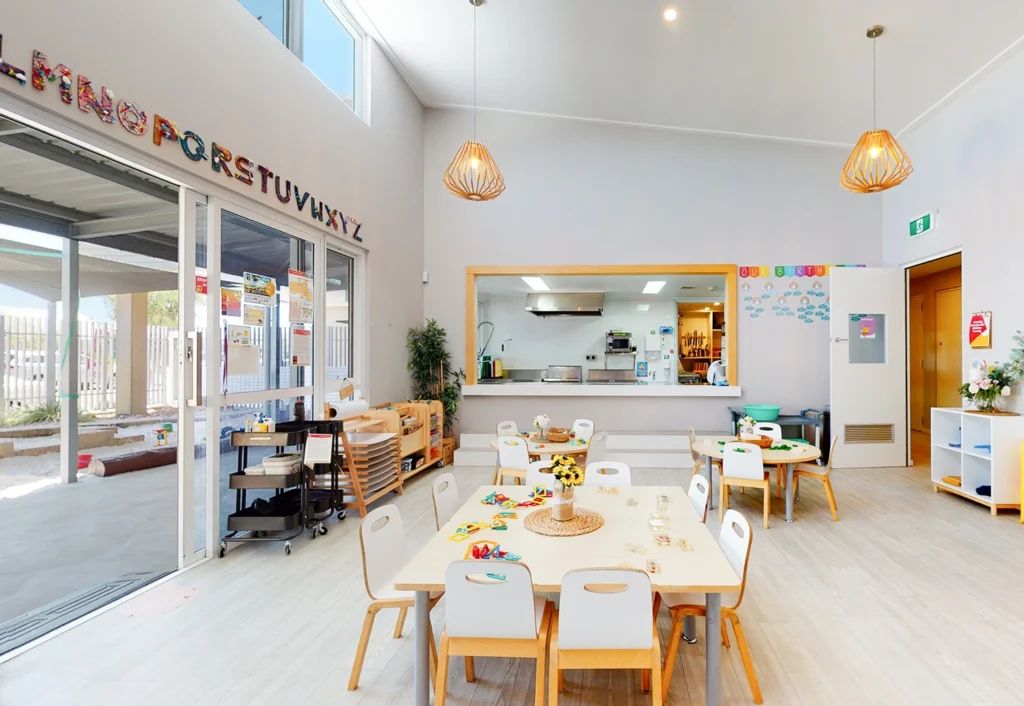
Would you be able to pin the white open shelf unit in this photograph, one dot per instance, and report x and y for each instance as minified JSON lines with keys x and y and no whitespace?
{"x":997,"y":466}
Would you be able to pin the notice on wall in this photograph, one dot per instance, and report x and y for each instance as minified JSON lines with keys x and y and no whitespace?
{"x":239,"y":336}
{"x":254,"y":315}
{"x":259,"y":289}
{"x":231,"y":302}
{"x":243,"y":360}
{"x":302,"y":346}
{"x":867,"y":327}
{"x":979,"y":331}
{"x":300,"y":297}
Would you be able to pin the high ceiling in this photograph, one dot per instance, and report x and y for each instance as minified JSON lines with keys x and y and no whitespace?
{"x":792,"y":69}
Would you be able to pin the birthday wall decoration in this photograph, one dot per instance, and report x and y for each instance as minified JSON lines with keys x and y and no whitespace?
{"x":130,"y":116}
{"x":786,"y":293}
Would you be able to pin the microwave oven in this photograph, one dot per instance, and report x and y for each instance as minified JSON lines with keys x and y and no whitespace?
{"x":618,"y":342}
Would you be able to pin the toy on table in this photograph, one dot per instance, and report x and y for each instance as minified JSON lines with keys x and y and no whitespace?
{"x":489,"y":550}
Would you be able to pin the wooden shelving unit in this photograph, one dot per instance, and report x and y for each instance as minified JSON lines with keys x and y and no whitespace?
{"x":988,"y":455}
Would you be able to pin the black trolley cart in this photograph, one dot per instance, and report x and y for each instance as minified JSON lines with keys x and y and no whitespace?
{"x":295,"y":505}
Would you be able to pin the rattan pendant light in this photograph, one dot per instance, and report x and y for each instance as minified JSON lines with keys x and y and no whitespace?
{"x":473,"y":175}
{"x":877,"y":162}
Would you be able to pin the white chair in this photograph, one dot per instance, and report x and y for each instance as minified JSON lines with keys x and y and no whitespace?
{"x":583,"y":428}
{"x":774,"y":432}
{"x":539,"y":473}
{"x":734,"y":540}
{"x":513,"y":459}
{"x":743,"y":466}
{"x":492,"y":612}
{"x":605,"y":622}
{"x":597,"y":447}
{"x":382,"y":540}
{"x":813,"y":470}
{"x":699,"y":494}
{"x":607,"y":473}
{"x":503,"y":429}
{"x":445,"y":493}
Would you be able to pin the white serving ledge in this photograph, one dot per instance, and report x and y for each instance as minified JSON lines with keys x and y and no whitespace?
{"x":526,"y":389}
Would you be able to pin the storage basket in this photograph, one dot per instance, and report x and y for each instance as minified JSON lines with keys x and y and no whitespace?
{"x":764,"y":442}
{"x":558,"y":436}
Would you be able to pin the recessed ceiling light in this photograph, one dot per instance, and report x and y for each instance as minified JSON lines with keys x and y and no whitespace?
{"x":536,"y":284}
{"x":718,"y":303}
{"x":671,"y":14}
{"x":643,"y":307}
{"x":653,"y":287}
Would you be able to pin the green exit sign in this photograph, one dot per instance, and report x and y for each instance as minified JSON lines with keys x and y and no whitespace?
{"x":922,"y":225}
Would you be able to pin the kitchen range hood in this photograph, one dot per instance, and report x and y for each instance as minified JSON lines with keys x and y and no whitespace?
{"x":565,"y":304}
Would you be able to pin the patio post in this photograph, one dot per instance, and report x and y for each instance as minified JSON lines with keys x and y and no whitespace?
{"x":69,"y":363}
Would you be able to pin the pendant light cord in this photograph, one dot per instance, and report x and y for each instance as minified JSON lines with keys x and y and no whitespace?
{"x":474,"y":72}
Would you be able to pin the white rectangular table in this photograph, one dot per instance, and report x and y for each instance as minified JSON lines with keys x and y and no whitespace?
{"x":703,"y":569}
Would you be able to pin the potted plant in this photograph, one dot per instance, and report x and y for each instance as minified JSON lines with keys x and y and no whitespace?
{"x":433,"y":377}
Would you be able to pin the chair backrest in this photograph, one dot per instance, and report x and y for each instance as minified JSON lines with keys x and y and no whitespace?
{"x":445,"y":492}
{"x":607,"y":473}
{"x":597,"y":447}
{"x":740,"y":460}
{"x":539,"y":473}
{"x":693,"y":452}
{"x":489,"y":599}
{"x":513,"y":452}
{"x":769,"y":429}
{"x":699,"y":493}
{"x":583,"y":428}
{"x":508,"y":429}
{"x":734,"y":540}
{"x":382,"y":541}
{"x":605,"y":609}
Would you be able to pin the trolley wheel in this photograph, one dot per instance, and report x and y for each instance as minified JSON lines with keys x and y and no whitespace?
{"x":288,"y":548}
{"x":323,"y":530}
{"x":342,"y":513}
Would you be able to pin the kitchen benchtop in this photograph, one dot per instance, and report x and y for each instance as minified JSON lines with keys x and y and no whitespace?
{"x":541,"y":389}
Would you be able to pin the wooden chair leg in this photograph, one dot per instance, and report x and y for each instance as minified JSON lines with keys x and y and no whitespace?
{"x":767,"y":502}
{"x":364,"y":639}
{"x":554,"y":673}
{"x":725,"y":635}
{"x":670,"y":655}
{"x":831,"y":499}
{"x":657,"y":694}
{"x":748,"y":663}
{"x":401,"y":621}
{"x":441,"y":682}
{"x":470,"y":669}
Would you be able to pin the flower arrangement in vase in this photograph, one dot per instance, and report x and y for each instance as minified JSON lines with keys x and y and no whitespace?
{"x":567,"y":477}
{"x":543,"y":423}
{"x":988,"y":384}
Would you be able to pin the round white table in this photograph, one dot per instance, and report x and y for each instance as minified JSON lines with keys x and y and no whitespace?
{"x":714,"y":447}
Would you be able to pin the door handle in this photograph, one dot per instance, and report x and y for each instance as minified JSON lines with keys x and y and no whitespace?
{"x":193,"y":355}
{"x":840,"y":340}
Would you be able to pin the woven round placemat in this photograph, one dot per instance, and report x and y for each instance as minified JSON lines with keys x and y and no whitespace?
{"x":585,"y":522}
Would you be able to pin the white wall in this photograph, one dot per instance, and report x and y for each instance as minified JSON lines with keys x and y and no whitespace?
{"x":538,"y":342}
{"x":969,"y":165}
{"x":585,"y":193}
{"x":209,"y":66}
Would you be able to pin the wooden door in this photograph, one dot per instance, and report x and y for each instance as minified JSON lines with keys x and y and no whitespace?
{"x":919,"y":421}
{"x":948,"y":347}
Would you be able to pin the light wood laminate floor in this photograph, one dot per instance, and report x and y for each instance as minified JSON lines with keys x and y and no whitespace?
{"x":912,"y":598}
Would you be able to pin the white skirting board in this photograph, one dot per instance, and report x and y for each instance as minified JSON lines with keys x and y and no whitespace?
{"x":657,"y":450}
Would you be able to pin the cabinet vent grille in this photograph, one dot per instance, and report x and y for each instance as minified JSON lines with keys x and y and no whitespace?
{"x":868,"y":434}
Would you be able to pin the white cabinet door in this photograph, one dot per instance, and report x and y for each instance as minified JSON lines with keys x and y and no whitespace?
{"x":868,"y":348}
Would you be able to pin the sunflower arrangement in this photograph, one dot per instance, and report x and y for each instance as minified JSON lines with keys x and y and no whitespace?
{"x":566,"y":471}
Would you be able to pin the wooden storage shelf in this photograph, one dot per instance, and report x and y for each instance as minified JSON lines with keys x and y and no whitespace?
{"x":998,"y":466}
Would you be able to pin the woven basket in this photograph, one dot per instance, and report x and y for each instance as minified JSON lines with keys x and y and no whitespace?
{"x":558,"y":436}
{"x":765,"y":442}
{"x":448,"y":450}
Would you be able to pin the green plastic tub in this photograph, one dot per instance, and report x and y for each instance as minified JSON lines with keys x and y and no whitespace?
{"x":762,"y":412}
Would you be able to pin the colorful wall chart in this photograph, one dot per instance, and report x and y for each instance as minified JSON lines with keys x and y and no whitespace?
{"x":783,"y":294}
